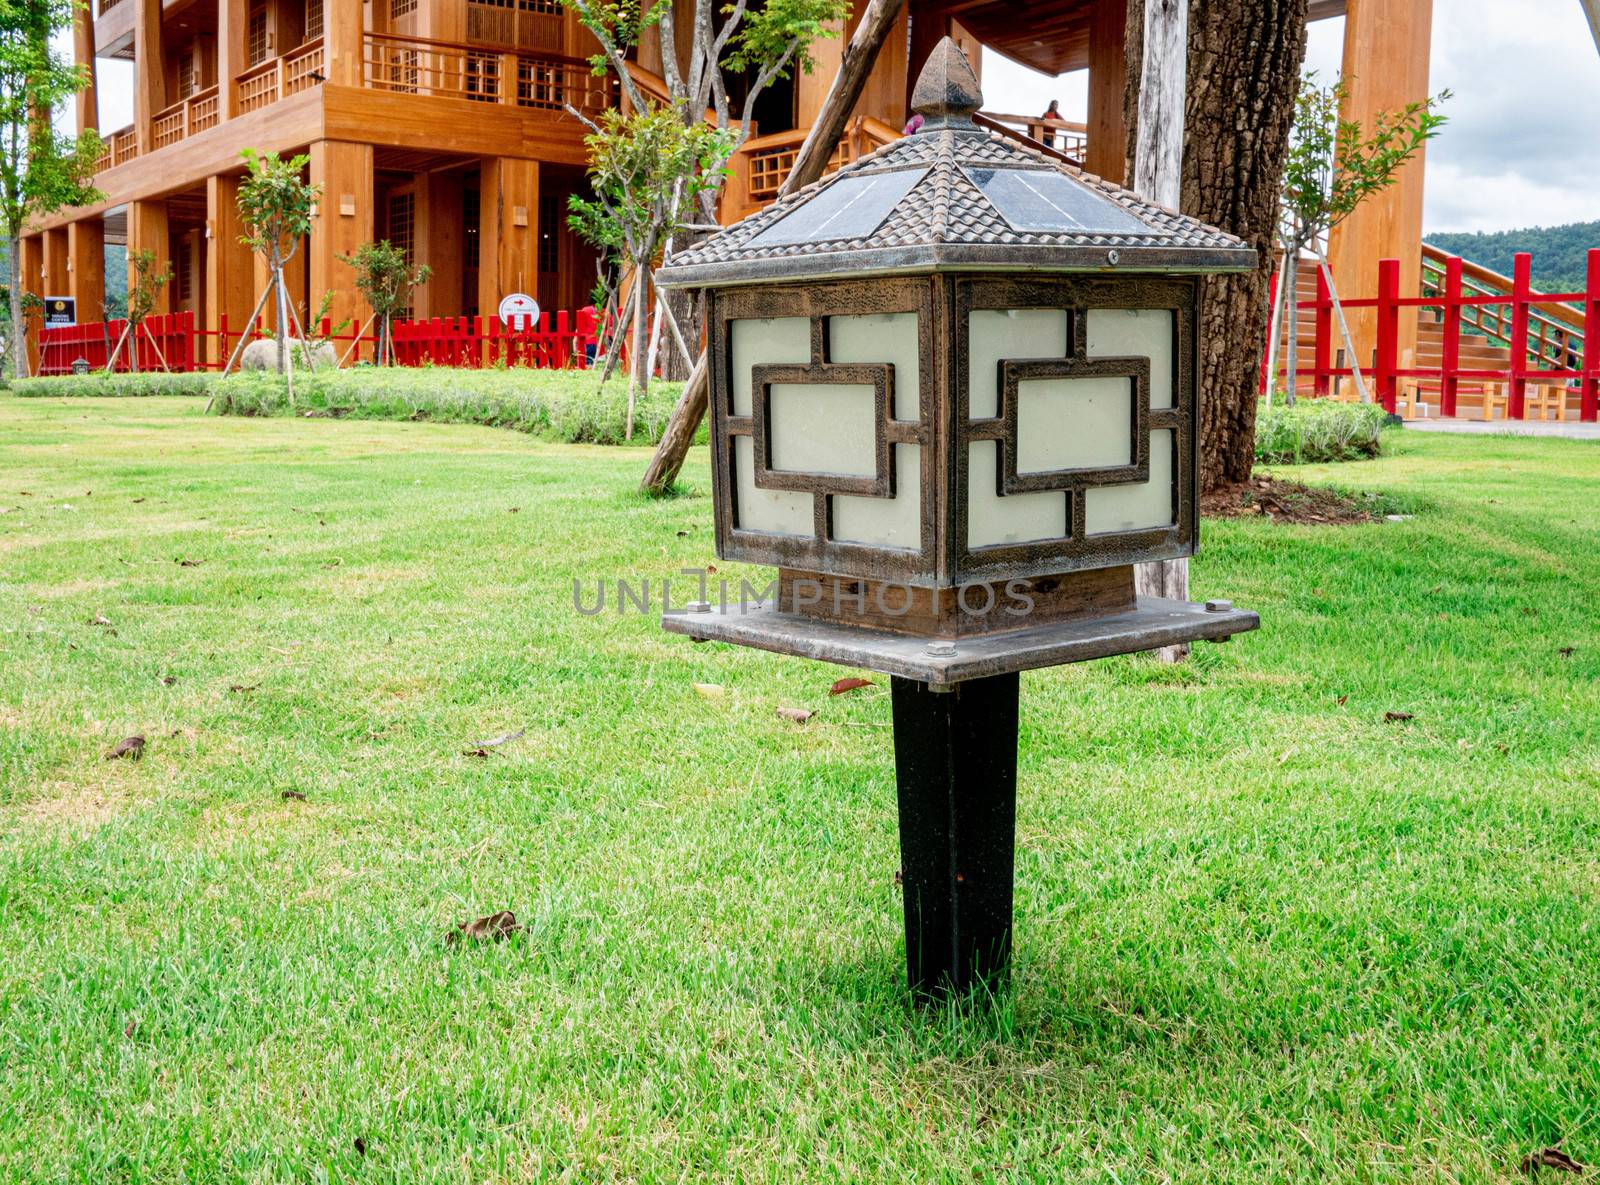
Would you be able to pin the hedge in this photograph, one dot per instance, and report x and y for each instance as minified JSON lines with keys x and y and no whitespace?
{"x":100,"y":384}
{"x":564,"y":405}
{"x":1318,"y":430}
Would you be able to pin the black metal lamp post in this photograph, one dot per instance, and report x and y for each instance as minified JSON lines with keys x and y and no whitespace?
{"x":953,"y":400}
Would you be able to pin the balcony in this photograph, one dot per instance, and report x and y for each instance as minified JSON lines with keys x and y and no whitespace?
{"x":413,"y":66}
{"x":194,"y":114}
{"x":277,"y":78}
{"x":762,"y":164}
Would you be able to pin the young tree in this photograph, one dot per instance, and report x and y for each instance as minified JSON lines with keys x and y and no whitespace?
{"x":385,"y":279}
{"x":276,"y":205}
{"x":1332,"y":167}
{"x":41,"y":171}
{"x":646,"y":168}
{"x":142,"y":296}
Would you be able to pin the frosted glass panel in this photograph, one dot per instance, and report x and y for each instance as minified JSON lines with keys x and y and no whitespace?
{"x":780,"y":511}
{"x":882,"y":337}
{"x":1136,"y":333}
{"x":1077,"y":423}
{"x":823,"y":428}
{"x":886,"y":522}
{"x":760,"y":342}
{"x":995,"y":334}
{"x":1018,"y":518}
{"x":1138,"y":505}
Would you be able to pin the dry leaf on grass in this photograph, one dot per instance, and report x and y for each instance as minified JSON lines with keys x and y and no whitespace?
{"x":1550,"y":1158}
{"x":294,"y":795}
{"x":710,"y":690}
{"x":798,"y":715}
{"x":131,"y":748}
{"x":243,"y":688}
{"x":100,"y":619}
{"x":1344,"y":699}
{"x":190,"y":563}
{"x":504,"y":738}
{"x":1566,"y":651}
{"x":841,"y":686}
{"x":168,"y":680}
{"x":493,"y":928}
{"x":1398,"y":717}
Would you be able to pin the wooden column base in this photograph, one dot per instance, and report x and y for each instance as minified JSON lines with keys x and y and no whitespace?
{"x":969,"y":610}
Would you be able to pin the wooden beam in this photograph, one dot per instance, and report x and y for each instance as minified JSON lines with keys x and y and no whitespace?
{"x":344,"y":221}
{"x":342,"y":33}
{"x":83,"y":55}
{"x":230,"y":270}
{"x":86,"y":267}
{"x":1107,"y":153}
{"x":232,"y":24}
{"x":854,"y":67}
{"x":1158,"y":177}
{"x":54,"y":272}
{"x":1385,"y":67}
{"x":147,"y":230}
{"x":32,"y":269}
{"x":439,"y":243}
{"x":508,"y":235}
{"x":149,"y":71}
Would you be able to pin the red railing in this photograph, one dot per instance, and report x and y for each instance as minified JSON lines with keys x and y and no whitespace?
{"x":173,"y":341}
{"x":165,"y":341}
{"x":1560,"y":365}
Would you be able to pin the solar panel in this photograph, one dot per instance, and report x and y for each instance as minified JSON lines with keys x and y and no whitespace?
{"x":1040,"y":200}
{"x":850,"y":208}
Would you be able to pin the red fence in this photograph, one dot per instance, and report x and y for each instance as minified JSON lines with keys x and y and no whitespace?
{"x":165,"y":342}
{"x":172,"y":341}
{"x":1546,"y":349}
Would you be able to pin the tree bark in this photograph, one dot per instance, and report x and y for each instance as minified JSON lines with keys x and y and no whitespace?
{"x":1244,"y":74}
{"x":19,"y":331}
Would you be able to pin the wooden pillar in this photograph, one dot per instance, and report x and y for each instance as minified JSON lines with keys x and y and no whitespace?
{"x":439,"y":244}
{"x":342,"y":39}
{"x":232,"y":23}
{"x":149,"y":71}
{"x":83,"y":55}
{"x":230,"y":270}
{"x":509,"y":235}
{"x":1386,"y":65}
{"x":53,"y":274}
{"x":86,"y":261}
{"x":32,"y":267}
{"x":343,"y":222}
{"x":1107,"y":151}
{"x":147,"y":230}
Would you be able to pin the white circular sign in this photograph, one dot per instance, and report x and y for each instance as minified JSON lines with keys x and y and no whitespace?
{"x":519,"y":310}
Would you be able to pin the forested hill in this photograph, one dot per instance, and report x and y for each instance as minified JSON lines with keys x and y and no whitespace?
{"x":1559,"y":252}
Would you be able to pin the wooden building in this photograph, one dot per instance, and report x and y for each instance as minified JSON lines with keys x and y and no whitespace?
{"x":440,"y":125}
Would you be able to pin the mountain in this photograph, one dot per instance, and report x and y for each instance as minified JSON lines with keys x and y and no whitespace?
{"x":1559,"y":252}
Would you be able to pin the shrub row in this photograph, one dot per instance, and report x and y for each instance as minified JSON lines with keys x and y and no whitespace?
{"x":1318,"y":430}
{"x":99,"y":384}
{"x":562,"y":405}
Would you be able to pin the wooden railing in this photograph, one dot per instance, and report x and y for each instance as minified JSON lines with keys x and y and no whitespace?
{"x":194,"y":114}
{"x":414,"y":66}
{"x":278,"y":78}
{"x":1554,"y":330}
{"x":121,"y":147}
{"x":534,"y":25}
{"x":761,"y":165}
{"x":1067,"y":138}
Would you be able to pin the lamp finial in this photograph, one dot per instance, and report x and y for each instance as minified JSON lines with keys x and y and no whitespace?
{"x":947,"y":88}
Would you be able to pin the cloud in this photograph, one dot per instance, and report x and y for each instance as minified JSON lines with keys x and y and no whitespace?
{"x":1521,"y":148}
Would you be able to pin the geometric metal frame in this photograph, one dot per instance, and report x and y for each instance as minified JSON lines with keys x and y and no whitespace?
{"x":879,"y":376}
{"x":1078,"y":549}
{"x":1014,"y":372}
{"x":942,"y":304}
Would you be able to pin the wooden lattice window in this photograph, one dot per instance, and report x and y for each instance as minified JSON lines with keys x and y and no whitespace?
{"x":187,"y":81}
{"x":483,"y":76}
{"x":470,"y":217}
{"x":549,"y":233}
{"x":313,"y":19}
{"x":540,"y":85}
{"x":403,"y":231}
{"x":255,"y":38}
{"x":400,"y":8}
{"x":183,"y":280}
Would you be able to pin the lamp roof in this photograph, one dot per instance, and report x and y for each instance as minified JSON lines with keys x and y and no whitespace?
{"x":954,"y":196}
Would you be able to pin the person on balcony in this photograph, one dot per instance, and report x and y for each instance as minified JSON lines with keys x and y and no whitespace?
{"x":1051,"y":113}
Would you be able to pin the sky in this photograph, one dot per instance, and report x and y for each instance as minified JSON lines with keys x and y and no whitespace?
{"x":1522,"y":147}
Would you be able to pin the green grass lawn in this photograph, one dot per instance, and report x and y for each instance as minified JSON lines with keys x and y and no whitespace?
{"x":1263,"y":935}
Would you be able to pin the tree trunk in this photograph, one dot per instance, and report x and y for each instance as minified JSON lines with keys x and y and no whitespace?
{"x":1244,"y":74}
{"x":19,"y":331}
{"x":283,"y":315}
